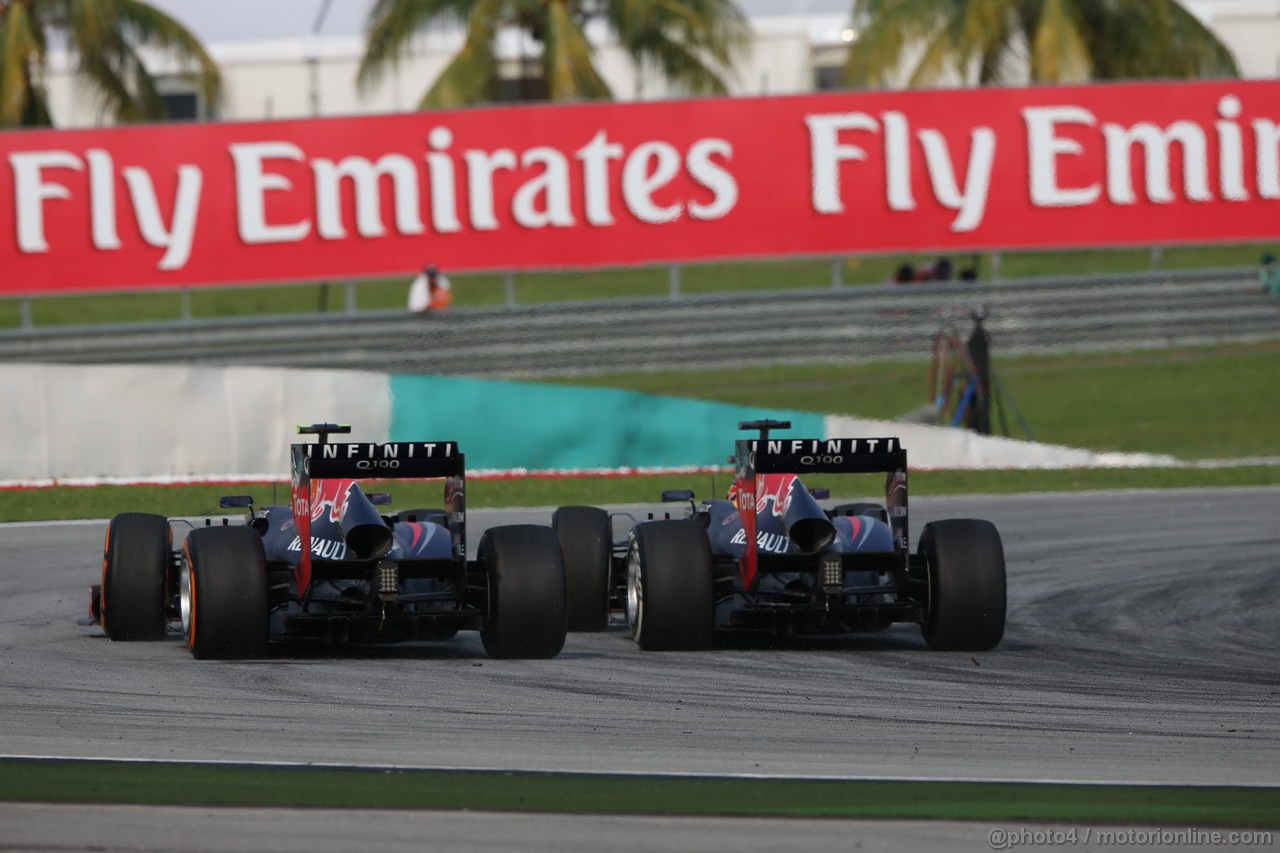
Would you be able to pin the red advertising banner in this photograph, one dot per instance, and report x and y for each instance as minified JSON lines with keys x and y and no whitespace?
{"x":592,"y":185}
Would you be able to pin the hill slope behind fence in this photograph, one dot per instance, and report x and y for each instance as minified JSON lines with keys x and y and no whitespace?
{"x":820,"y":325}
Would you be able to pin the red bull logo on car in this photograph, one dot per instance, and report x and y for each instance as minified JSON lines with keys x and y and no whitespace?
{"x":330,"y":495}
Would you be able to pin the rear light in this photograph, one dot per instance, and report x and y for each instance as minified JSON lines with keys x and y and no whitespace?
{"x":388,"y":580}
{"x":831,"y":573}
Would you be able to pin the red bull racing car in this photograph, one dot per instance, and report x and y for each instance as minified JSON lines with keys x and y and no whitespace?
{"x":329,"y":568}
{"x":770,"y":559}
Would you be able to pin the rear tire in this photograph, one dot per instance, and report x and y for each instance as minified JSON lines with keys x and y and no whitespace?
{"x":670,"y":586}
{"x":224,"y":593}
{"x":967,"y":592}
{"x":135,"y":574}
{"x":524,"y":570}
{"x":586,"y":540}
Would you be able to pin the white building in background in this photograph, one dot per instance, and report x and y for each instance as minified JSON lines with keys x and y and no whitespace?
{"x":297,"y":58}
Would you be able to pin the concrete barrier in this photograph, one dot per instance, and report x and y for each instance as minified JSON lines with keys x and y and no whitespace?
{"x":97,"y":424}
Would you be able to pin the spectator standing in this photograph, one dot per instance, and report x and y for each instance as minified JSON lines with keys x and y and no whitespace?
{"x":1269,"y":275}
{"x":430,"y":291}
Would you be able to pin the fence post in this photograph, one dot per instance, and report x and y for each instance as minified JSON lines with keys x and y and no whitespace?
{"x":351,"y":296}
{"x":995,"y":266}
{"x":1157,"y":257}
{"x":837,"y":273}
{"x":24,"y":312}
{"x":184,"y":305}
{"x":509,"y":287}
{"x":673,"y":281}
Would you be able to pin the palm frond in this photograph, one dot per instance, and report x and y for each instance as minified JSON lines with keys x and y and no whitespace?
{"x":471,"y":76}
{"x":1058,"y":49}
{"x":692,"y":43}
{"x":393,"y":24}
{"x":18,"y":51}
{"x":566,"y":58}
{"x":888,"y":28}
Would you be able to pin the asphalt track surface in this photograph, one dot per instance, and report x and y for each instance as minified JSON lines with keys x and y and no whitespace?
{"x":1142,"y":646}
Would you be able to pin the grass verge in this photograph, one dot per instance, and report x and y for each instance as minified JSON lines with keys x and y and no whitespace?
{"x":203,"y":785}
{"x":105,"y":501}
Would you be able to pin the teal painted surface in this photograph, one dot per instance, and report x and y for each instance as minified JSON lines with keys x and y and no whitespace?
{"x":506,"y":425}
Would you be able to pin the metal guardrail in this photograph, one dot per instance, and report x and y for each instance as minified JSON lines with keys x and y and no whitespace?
{"x":819,"y":325}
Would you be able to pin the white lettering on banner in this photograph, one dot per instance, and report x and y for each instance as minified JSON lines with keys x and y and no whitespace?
{"x":32,"y":191}
{"x":1155,"y":144}
{"x":543,"y":200}
{"x":1044,"y":147}
{"x":252,"y":184}
{"x":444,"y":207}
{"x":552,"y":185}
{"x":1230,"y":151}
{"x":1267,"y":142}
{"x":713,"y":176}
{"x":102,"y":200}
{"x":595,"y":157}
{"x":366,"y":176}
{"x":827,"y":153}
{"x":481,"y":166}
{"x":972,"y":202}
{"x":176,"y":239}
{"x":639,"y":182}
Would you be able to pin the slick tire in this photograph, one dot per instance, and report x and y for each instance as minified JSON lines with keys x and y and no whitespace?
{"x":135,"y":575}
{"x":966,"y":582}
{"x":525,"y":611}
{"x":670,"y":586}
{"x":586,"y":540}
{"x":223,"y":593}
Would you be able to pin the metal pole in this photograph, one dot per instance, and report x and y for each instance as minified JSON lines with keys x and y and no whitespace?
{"x":995,"y":266}
{"x":351,"y":296}
{"x":837,"y":273}
{"x":1157,"y":256}
{"x":313,"y":61}
{"x":673,"y":281}
{"x":184,"y":305}
{"x":24,"y":311}
{"x":509,"y":285}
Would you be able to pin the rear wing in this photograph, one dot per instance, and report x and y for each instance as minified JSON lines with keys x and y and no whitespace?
{"x":392,"y":460}
{"x":364,"y":461}
{"x":824,"y":455}
{"x":771,"y":455}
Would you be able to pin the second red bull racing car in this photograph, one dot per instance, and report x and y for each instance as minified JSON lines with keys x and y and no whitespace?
{"x":771,"y":559}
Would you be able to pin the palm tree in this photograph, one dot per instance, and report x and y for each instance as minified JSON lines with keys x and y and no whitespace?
{"x":690,"y":42}
{"x":1050,"y":41}
{"x":104,"y":37}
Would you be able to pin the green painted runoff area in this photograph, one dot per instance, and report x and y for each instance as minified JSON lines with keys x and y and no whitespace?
{"x":508,"y":425}
{"x":63,"y":781}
